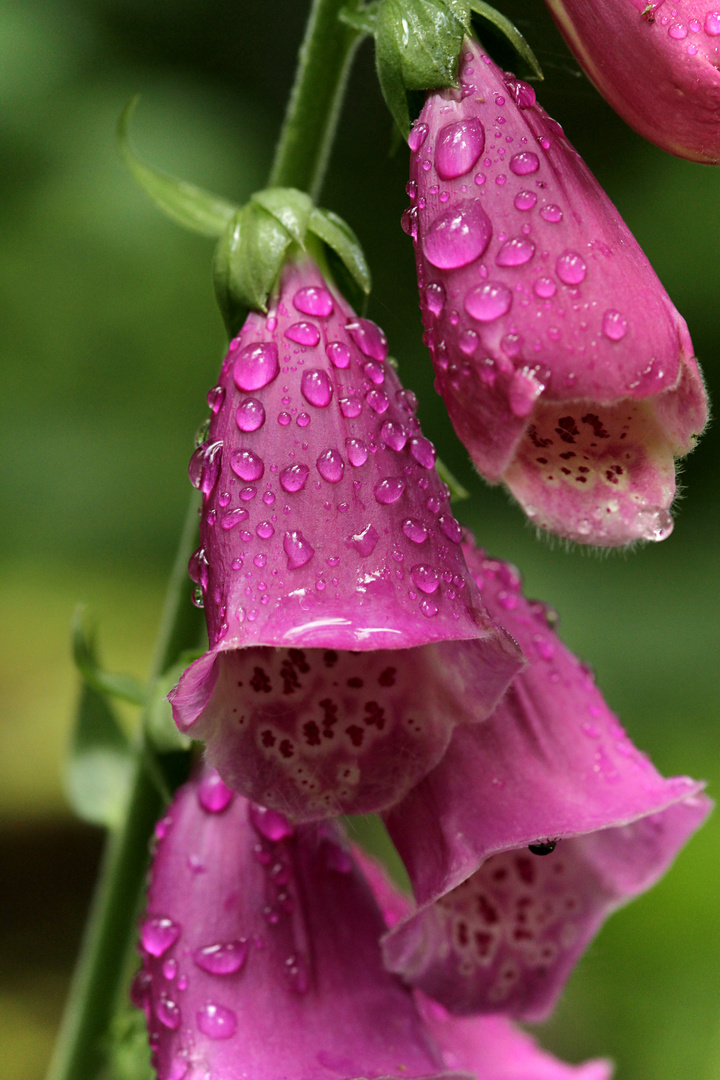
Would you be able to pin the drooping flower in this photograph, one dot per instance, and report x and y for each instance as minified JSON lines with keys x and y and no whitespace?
{"x":656,"y":63}
{"x":346,"y":636}
{"x":261,"y":954}
{"x":489,"y":1047}
{"x":565,"y":368}
{"x":261,"y":958}
{"x":533,"y":828}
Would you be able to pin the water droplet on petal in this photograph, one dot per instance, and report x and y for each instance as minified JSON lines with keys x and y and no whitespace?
{"x":313,"y":300}
{"x":369,"y":338}
{"x":393,"y":435}
{"x":178,"y":1068}
{"x":216,"y":1021}
{"x":247,"y":465}
{"x":415,"y":531}
{"x":423,"y":451}
{"x":256,"y":366}
{"x":350,"y":407}
{"x":678,"y":31}
{"x":457,"y":148}
{"x":378,"y":401}
{"x":488,"y":301}
{"x":339,"y":354}
{"x":570,"y":268}
{"x":524,"y":163}
{"x":551,"y":213}
{"x":250,"y":415}
{"x":522,"y":94}
{"x":515,"y":252}
{"x":434,"y":298}
{"x":545,"y":287}
{"x":389,"y":490}
{"x":357,"y":452}
{"x":364,"y":542}
{"x":458,"y":236}
{"x":215,"y":398}
{"x":450,"y":528}
{"x":525,"y":200}
{"x":330,"y":465}
{"x":297,"y":549}
{"x":374,"y":372}
{"x":265,"y":530}
{"x":614,"y":325}
{"x":158,"y":934}
{"x":168,"y":1012}
{"x":712,"y":23}
{"x":316,"y":387}
{"x":524,"y":391}
{"x":213,"y":794}
{"x":303,"y":333}
{"x":426,"y":578}
{"x":293,"y":477}
{"x":417,"y":136}
{"x":270,"y":824}
{"x":222,"y":959}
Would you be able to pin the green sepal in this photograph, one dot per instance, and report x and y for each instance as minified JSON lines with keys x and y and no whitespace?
{"x":362,"y":19}
{"x":161,"y":728}
{"x":510,"y":31}
{"x":417,"y":46}
{"x":337,"y":235}
{"x":457,"y":491}
{"x":253,"y":249}
{"x":105,"y":683}
{"x":99,"y":764}
{"x":190,"y":206}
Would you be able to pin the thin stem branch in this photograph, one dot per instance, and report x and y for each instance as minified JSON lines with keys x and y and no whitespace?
{"x":80,"y":1051}
{"x":307,"y":134}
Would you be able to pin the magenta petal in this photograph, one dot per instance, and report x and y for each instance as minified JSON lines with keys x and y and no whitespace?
{"x":316,"y":732}
{"x":347,"y":637}
{"x":657,"y":65}
{"x":273,"y":967}
{"x":565,"y":368}
{"x":499,"y":928}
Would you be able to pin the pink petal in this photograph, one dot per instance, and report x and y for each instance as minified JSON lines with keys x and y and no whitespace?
{"x":499,"y":928}
{"x":565,"y":368}
{"x":657,"y":64}
{"x":274,"y":967}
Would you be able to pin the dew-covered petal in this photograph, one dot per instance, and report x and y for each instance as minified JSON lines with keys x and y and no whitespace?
{"x":275,"y":969}
{"x":659,"y":69}
{"x":555,"y":311}
{"x":320,"y":732}
{"x":500,"y":925}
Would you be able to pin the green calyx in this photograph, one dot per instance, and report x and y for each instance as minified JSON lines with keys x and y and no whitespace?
{"x":418,"y":43}
{"x":254,"y":240}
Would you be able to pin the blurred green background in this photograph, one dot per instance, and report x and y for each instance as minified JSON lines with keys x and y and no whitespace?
{"x":110,"y":339}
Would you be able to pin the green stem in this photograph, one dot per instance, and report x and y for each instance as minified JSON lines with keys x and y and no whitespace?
{"x":324,"y":62}
{"x":80,"y":1050}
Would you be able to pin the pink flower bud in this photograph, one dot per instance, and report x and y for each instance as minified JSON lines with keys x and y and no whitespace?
{"x":347,"y":638}
{"x":656,"y":62}
{"x":534,"y":827}
{"x":565,"y":368}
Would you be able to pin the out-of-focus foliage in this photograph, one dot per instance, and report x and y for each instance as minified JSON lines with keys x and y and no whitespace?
{"x":110,"y":339}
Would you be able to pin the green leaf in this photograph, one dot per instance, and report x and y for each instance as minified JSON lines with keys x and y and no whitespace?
{"x":161,"y":728}
{"x":99,"y":764}
{"x":510,"y":31}
{"x":428,"y":36}
{"x":338,"y":235}
{"x":124,"y":687}
{"x":457,"y":491}
{"x":192,"y":207}
{"x":389,"y":72}
{"x":248,"y":261}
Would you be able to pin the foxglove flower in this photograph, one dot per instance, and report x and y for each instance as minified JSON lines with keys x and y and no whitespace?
{"x":346,"y":636}
{"x":656,"y":63}
{"x":261,"y":955}
{"x":533,"y":828}
{"x":489,"y":1047}
{"x":261,"y":958}
{"x":565,"y":368}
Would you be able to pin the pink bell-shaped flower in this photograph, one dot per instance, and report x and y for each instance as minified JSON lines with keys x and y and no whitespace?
{"x":533,"y":828}
{"x":261,"y":954}
{"x":565,"y":368}
{"x":488,"y":1047}
{"x":346,"y":637}
{"x":656,"y":62}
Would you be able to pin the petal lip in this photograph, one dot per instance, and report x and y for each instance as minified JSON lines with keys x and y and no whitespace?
{"x":561,"y":316}
{"x":496,"y":929}
{"x":663,"y":82}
